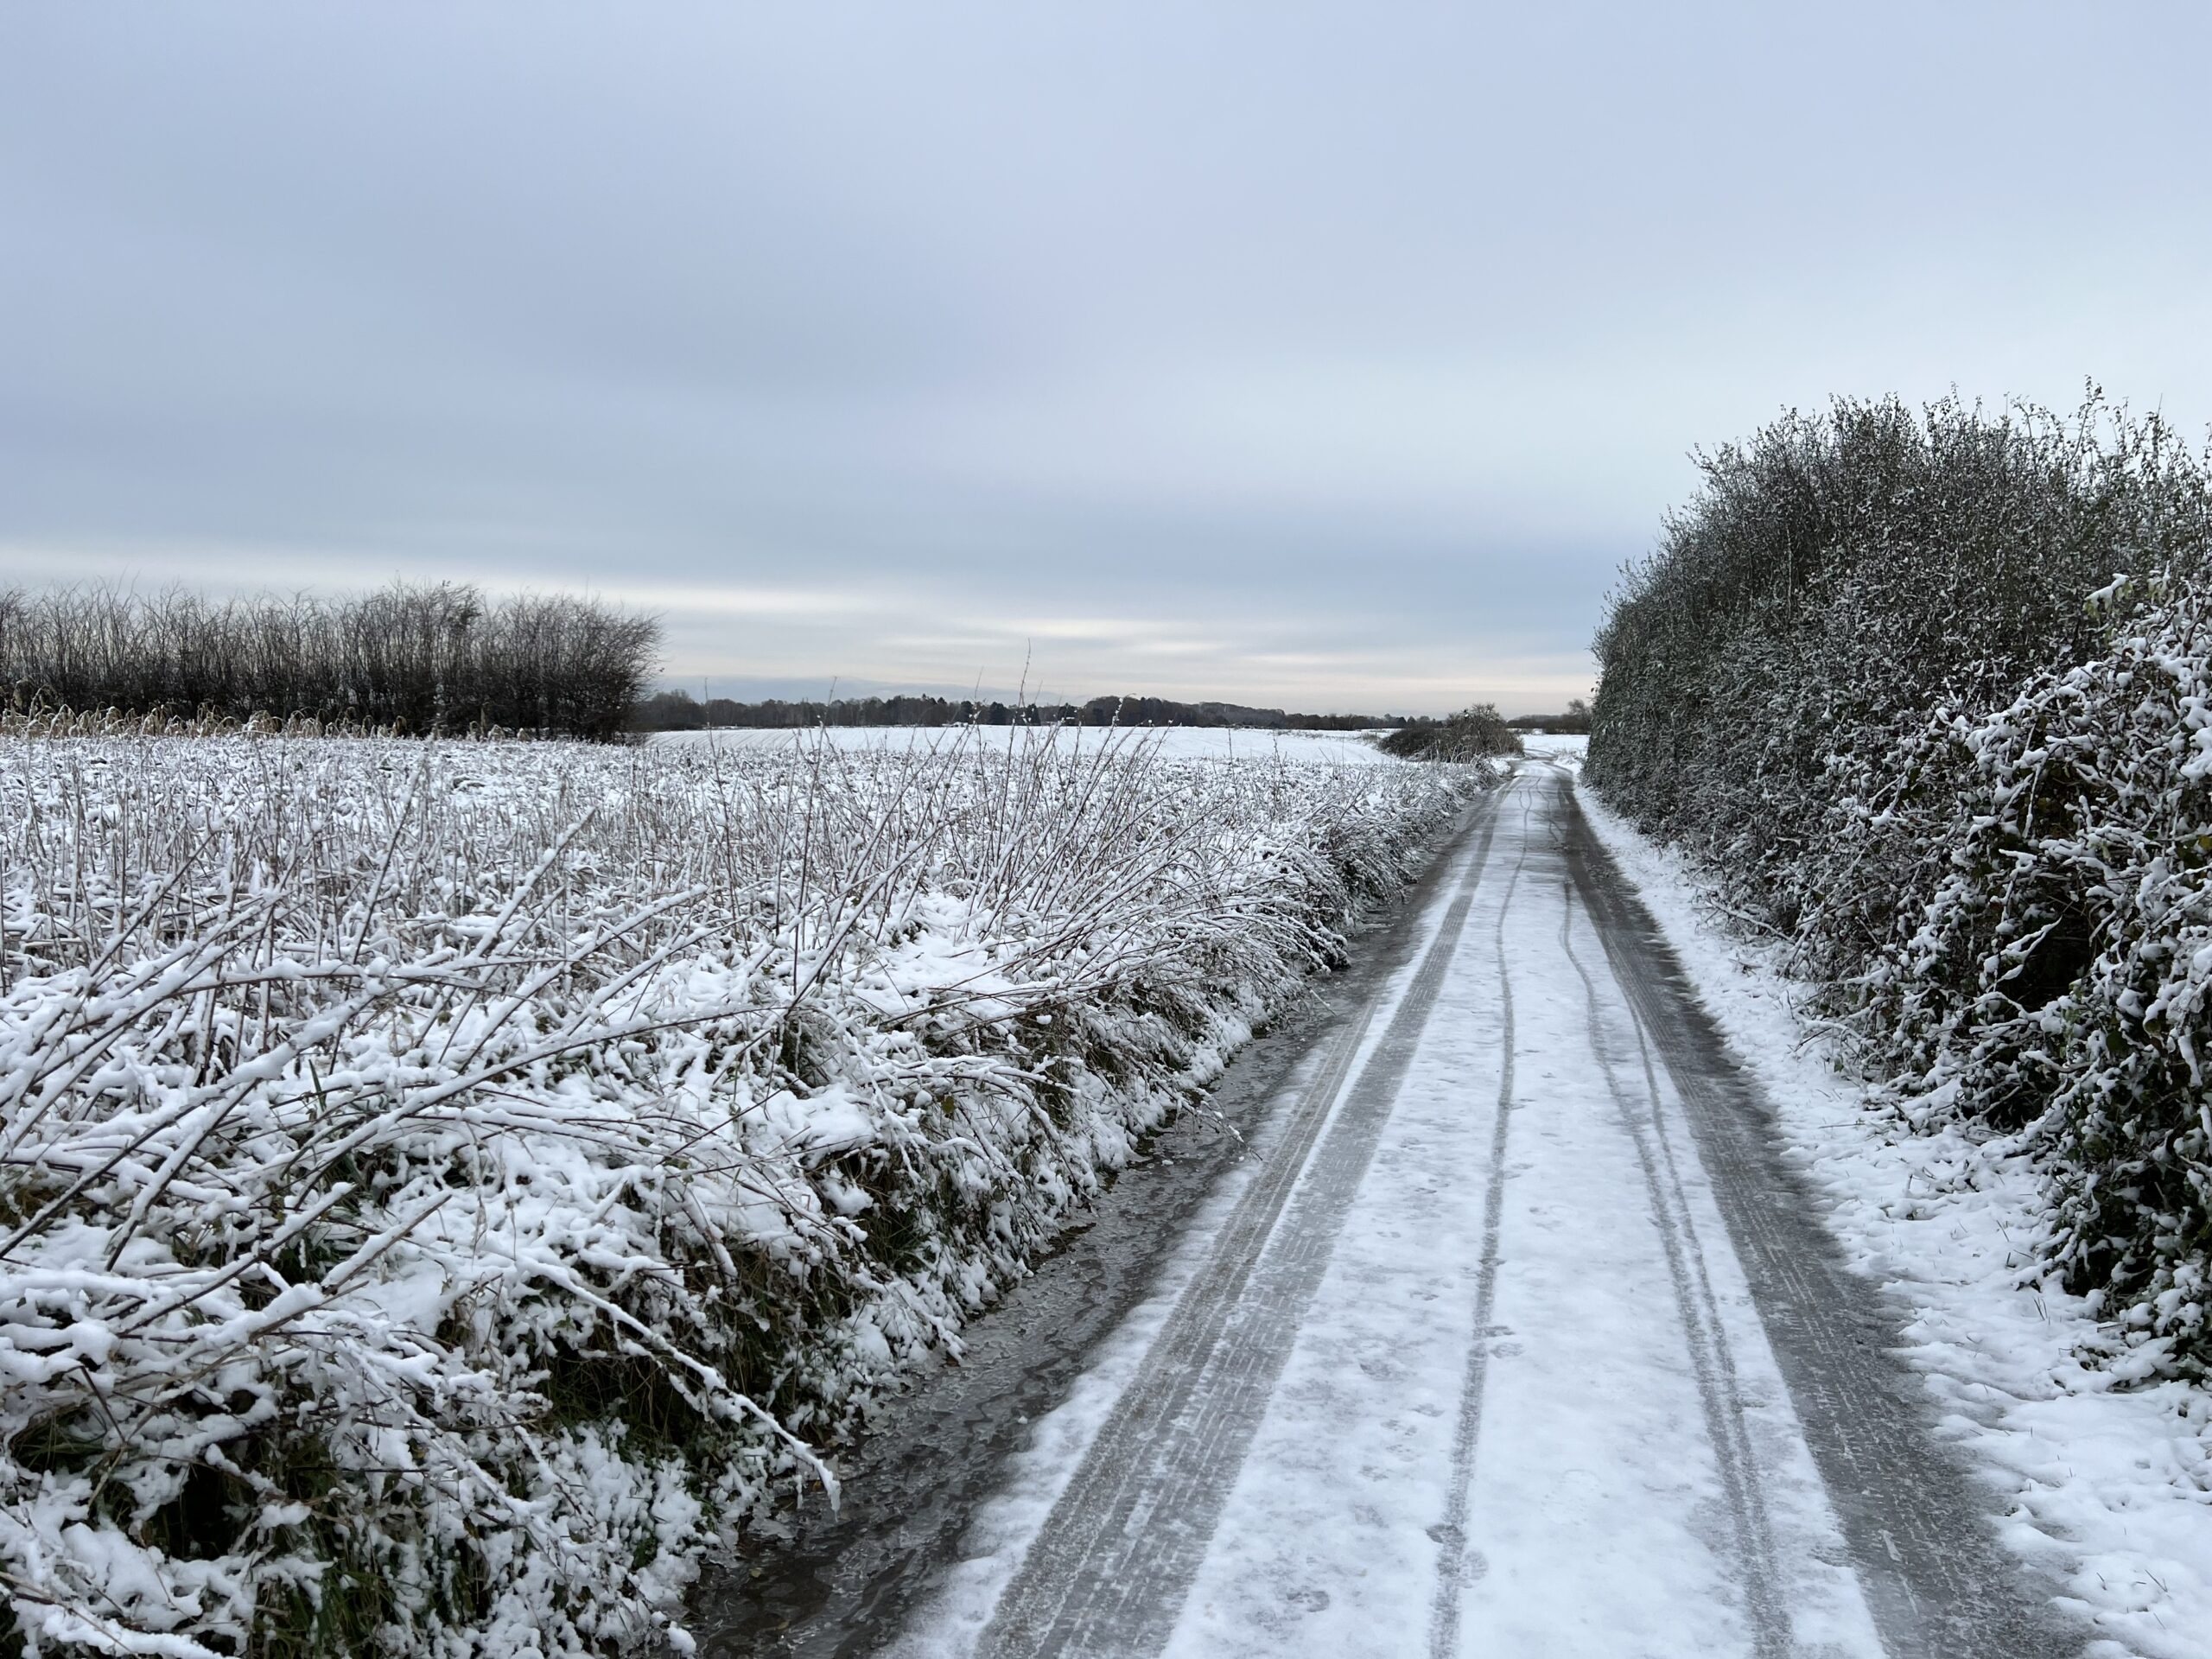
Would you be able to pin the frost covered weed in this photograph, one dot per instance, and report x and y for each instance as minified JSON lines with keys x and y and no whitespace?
{"x":40,"y":720}
{"x":440,"y":1184}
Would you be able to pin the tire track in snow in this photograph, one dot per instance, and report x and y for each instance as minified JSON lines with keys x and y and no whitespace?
{"x":1720,"y":1397}
{"x":1937,"y":1582}
{"x":1451,"y":1533}
{"x":1109,"y":1570}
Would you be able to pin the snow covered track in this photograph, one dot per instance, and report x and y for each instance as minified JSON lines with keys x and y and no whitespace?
{"x":1129,"y":1533}
{"x":1519,"y":1338}
{"x":1937,"y":1581}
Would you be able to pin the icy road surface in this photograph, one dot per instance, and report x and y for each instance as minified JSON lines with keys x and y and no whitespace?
{"x":1510,"y":1334}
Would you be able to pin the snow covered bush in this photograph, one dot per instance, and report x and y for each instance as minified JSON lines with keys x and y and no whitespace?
{"x":441,"y":1183}
{"x":1881,"y":678}
{"x":1473,"y":733}
{"x":2060,"y":972}
{"x":1835,"y":582}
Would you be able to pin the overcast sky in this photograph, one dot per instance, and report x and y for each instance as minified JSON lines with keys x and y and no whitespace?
{"x":1331,"y":356}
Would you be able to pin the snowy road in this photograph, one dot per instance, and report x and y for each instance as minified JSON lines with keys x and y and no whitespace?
{"x":1512,"y":1335}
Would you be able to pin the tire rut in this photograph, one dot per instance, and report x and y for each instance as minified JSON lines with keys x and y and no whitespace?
{"x":1451,"y":1533}
{"x":1937,"y":1581}
{"x":1720,"y":1397}
{"x":1111,"y":1569}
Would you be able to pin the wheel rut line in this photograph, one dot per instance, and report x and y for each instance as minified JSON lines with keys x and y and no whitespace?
{"x":1732,"y":1420}
{"x":1104,"y":1489}
{"x":1451,"y":1533}
{"x":1724,"y":1351}
{"x":1092,"y":1581}
{"x":1719,"y":1399}
{"x":1935,"y":1580}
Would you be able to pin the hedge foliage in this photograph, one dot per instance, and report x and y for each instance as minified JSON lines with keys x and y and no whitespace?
{"x":1928,"y":692}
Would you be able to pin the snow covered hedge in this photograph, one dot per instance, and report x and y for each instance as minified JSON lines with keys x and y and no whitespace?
{"x":2054,"y":969}
{"x":1881,"y":678}
{"x":439,"y":1183}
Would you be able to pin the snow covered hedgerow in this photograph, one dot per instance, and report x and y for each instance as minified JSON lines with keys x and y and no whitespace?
{"x":1472,"y":735}
{"x":1837,"y":580}
{"x":442,"y":1183}
{"x":1879,"y":679}
{"x":2062,"y":967}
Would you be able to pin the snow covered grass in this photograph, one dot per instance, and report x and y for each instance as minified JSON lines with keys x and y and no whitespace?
{"x":2102,"y":1473}
{"x":440,"y":1184}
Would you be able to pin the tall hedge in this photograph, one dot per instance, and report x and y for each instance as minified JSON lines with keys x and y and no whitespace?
{"x":1924,"y":689}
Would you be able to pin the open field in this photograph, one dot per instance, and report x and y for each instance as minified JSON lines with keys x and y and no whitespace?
{"x":1170,"y":742}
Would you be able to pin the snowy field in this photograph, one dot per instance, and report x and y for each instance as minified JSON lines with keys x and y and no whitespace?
{"x":1567,"y":745}
{"x":1169,"y":742}
{"x":440,"y":1179}
{"x":2105,"y":1475}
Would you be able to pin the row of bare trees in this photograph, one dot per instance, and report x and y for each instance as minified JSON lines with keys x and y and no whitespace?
{"x":434,"y":657}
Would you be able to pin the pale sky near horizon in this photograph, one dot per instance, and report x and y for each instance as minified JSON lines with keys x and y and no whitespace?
{"x":1328,"y":356}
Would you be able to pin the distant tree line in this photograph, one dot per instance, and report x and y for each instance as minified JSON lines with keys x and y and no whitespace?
{"x":423,"y":657}
{"x":1471,"y":734}
{"x":679,"y":711}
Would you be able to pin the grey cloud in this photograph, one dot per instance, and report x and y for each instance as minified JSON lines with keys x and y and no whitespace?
{"x":1332,"y":349}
